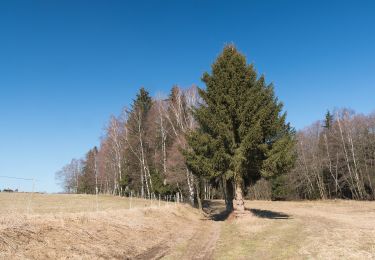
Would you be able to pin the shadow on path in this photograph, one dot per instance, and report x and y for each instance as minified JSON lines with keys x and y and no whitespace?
{"x":216,"y":210}
{"x":269,"y":214}
{"x":221,"y":216}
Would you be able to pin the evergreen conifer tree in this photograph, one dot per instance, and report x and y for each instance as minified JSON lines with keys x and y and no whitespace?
{"x":328,"y":120}
{"x":138,"y":147}
{"x":242,"y":133}
{"x":87,"y":179}
{"x":143,"y":101}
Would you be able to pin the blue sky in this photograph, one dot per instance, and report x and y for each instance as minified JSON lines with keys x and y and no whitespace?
{"x":66,"y":66}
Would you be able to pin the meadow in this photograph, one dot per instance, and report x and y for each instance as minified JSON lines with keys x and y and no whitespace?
{"x":42,"y":226}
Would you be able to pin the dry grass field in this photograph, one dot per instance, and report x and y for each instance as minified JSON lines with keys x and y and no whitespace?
{"x":73,"y":227}
{"x":65,"y":203}
{"x":301,"y":230}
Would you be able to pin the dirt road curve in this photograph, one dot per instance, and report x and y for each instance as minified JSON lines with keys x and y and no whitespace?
{"x":199,"y":243}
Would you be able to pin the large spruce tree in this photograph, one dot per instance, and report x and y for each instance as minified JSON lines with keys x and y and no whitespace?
{"x":138,"y":150}
{"x":242,"y":134}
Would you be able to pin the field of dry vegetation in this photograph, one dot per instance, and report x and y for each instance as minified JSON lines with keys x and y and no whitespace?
{"x":42,"y":226}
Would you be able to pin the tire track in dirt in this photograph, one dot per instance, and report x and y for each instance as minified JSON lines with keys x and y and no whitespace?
{"x":156,"y":252}
{"x":202,"y":244}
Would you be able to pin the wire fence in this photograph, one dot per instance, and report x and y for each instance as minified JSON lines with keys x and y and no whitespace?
{"x":31,"y":201}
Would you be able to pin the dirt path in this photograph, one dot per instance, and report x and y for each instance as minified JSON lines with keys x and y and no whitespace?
{"x":202,"y":244}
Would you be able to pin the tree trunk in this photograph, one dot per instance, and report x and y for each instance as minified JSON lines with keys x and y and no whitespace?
{"x":228,"y":194}
{"x":238,"y":202}
{"x":190,"y":182}
{"x":198,"y":193}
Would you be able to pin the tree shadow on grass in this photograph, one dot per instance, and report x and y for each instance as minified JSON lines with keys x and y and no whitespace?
{"x":260,"y":213}
{"x":216,"y":210}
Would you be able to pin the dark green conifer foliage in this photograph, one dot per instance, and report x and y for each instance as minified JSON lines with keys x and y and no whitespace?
{"x":279,"y":188}
{"x":143,"y":101}
{"x":87,"y":179}
{"x":328,"y":120}
{"x":137,"y":131}
{"x":242,"y":132}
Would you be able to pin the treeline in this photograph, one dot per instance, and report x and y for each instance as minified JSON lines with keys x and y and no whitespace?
{"x":335,"y":159}
{"x":228,"y":140}
{"x":141,"y":151}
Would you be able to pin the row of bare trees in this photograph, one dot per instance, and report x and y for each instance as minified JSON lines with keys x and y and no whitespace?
{"x":140,"y":153}
{"x":336,"y":158}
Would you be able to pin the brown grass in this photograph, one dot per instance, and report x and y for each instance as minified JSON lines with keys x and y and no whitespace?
{"x":66,"y":203}
{"x":301,"y":230}
{"x":69,"y":226}
{"x":56,"y":230}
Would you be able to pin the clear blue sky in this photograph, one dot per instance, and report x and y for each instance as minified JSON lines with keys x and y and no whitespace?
{"x":66,"y":66}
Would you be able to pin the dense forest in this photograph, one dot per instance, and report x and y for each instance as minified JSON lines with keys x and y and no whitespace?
{"x":227,"y":140}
